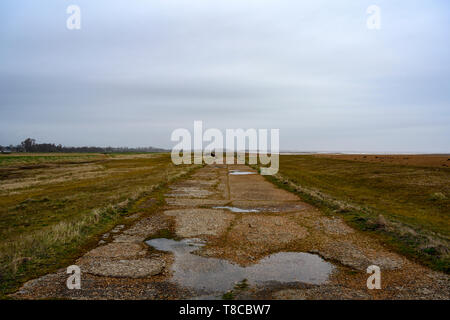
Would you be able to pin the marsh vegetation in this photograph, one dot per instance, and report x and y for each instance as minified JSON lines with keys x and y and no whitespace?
{"x":54,"y":206}
{"x":404,"y":199}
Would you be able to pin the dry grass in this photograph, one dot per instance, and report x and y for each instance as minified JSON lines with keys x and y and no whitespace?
{"x":25,"y":159}
{"x":413,"y":199}
{"x":427,"y":160}
{"x":50,"y":211}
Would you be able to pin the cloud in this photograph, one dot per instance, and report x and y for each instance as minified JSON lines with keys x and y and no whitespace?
{"x":138,"y":70}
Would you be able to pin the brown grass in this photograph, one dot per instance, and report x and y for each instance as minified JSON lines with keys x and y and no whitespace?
{"x":413,"y":199}
{"x":50,"y":211}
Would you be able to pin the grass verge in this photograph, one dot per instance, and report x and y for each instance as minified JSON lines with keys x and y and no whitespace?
{"x":405,"y":206}
{"x":50,"y":215}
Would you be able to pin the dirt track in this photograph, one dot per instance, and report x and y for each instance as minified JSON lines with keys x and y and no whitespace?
{"x":285,"y":248}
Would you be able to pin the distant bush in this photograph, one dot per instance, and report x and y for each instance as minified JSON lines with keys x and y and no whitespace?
{"x":30,"y":145}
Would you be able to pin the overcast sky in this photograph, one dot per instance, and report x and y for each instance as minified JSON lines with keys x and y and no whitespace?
{"x":139,"y":69}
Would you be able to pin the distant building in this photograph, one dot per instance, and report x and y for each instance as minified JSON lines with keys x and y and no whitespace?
{"x":6,"y":151}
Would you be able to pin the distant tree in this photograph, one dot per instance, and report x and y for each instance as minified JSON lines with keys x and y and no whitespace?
{"x":28,"y":144}
{"x":17,"y":148}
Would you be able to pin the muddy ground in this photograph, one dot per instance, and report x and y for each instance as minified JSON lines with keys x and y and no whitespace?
{"x":238,"y":235}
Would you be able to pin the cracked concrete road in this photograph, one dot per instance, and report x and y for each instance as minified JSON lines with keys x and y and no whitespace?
{"x":240,"y":234}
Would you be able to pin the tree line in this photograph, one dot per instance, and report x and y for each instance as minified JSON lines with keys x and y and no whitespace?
{"x":30,"y":145}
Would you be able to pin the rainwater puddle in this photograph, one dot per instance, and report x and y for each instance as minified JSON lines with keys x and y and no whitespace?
{"x":218,"y":275}
{"x":236,"y":209}
{"x":239,"y":173}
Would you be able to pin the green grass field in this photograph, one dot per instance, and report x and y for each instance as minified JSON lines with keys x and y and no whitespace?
{"x":415,"y":200}
{"x":52,"y":208}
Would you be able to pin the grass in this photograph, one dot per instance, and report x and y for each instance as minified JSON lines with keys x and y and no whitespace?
{"x":414,"y":200}
{"x":36,"y":158}
{"x":238,"y":288}
{"x":55,"y":208}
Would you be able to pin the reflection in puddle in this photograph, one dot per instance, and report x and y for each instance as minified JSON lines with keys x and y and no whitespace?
{"x":212,"y":274}
{"x":235,"y":209}
{"x":238,"y":172}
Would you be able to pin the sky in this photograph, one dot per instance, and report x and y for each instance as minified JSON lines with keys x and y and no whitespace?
{"x":139,"y":69}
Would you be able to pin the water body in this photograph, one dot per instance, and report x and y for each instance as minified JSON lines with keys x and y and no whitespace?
{"x":219,"y":275}
{"x":236,"y":209}
{"x":239,"y":173}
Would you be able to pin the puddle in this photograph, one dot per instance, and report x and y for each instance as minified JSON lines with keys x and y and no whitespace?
{"x":236,"y":209}
{"x":218,"y":275}
{"x":238,"y":172}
